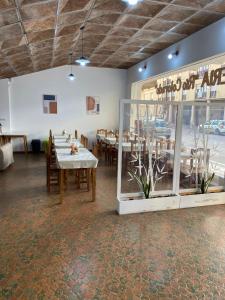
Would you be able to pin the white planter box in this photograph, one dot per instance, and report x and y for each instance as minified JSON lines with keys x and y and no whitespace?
{"x":144,"y":205}
{"x":125,"y":206}
{"x":202,"y":200}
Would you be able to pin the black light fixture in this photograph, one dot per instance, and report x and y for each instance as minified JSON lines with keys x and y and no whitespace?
{"x":71,"y":75}
{"x":172,"y":55}
{"x":141,"y":69}
{"x":83,"y":61}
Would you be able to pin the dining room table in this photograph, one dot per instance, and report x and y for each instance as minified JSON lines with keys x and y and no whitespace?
{"x":184,"y":155}
{"x":83,"y":159}
{"x":6,"y":137}
{"x":64,"y":143}
{"x":110,"y":140}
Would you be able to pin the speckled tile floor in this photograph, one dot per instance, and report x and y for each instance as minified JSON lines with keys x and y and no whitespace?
{"x":84,"y":250}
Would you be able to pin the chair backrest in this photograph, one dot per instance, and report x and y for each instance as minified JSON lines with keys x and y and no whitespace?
{"x":136,"y":147}
{"x":95,"y":150}
{"x":84,"y":141}
{"x":200,"y":159}
{"x":125,"y":138}
{"x":102,"y":131}
{"x":76,"y":134}
{"x":110,"y":134}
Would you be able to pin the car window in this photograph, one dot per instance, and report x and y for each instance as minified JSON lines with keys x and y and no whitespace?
{"x":214,"y":122}
{"x":160,"y":124}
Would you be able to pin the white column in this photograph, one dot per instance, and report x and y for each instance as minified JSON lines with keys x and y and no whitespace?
{"x":170,"y":117}
{"x":192,"y":122}
{"x":208,"y":112}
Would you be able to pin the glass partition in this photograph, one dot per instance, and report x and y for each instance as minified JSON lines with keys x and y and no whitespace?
{"x":147,"y":140}
{"x":167,"y":148}
{"x":202,"y":156}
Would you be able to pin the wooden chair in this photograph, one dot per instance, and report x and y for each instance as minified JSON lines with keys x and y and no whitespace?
{"x":195,"y":165}
{"x":110,"y":133}
{"x":84,"y":141}
{"x":95,"y":150}
{"x":102,"y":131}
{"x":108,"y":148}
{"x":52,"y":171}
{"x":82,"y":179}
{"x":82,"y":176}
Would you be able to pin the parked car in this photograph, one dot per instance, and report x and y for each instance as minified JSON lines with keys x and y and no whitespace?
{"x":160,"y":126}
{"x":214,"y":126}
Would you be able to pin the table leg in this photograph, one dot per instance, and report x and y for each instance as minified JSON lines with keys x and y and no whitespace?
{"x":25,"y":144}
{"x":93,"y":178}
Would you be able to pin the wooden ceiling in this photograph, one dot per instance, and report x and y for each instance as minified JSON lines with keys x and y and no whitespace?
{"x":37,"y":35}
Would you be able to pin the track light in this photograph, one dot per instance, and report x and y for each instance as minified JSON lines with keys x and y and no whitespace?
{"x":172,"y":55}
{"x":141,"y":69}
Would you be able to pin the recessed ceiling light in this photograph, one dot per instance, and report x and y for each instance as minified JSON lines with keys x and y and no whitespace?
{"x":140,"y":69}
{"x":170,"y":56}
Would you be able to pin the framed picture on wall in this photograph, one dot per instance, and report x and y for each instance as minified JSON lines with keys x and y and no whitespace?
{"x":49,"y":104}
{"x":93,"y":105}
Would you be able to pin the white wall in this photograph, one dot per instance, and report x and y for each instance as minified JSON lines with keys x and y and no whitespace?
{"x":4,"y":104}
{"x":26,"y":100}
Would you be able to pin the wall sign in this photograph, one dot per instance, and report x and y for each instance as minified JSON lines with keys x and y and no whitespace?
{"x":211,"y":78}
{"x":49,"y":104}
{"x":93,"y":105}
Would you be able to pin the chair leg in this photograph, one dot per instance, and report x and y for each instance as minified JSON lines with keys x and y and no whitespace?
{"x":88,"y":179}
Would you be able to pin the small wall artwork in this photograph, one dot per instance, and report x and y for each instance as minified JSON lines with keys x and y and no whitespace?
{"x":93,"y":105}
{"x":49,"y":104}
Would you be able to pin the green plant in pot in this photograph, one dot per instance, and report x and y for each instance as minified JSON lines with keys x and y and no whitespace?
{"x":143,"y":182}
{"x":45,"y":146}
{"x":146,"y":176}
{"x":205,"y":182}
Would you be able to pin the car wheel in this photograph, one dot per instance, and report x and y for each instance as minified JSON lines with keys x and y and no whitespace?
{"x":217,"y":131}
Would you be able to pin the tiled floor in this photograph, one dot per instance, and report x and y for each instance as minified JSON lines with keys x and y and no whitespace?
{"x":84,"y":250}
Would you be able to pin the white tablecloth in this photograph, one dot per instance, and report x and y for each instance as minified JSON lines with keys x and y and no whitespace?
{"x":83,"y":159}
{"x":62,"y":143}
{"x":170,"y":152}
{"x":6,"y":156}
{"x":11,"y":133}
{"x":100,"y":136}
{"x":110,"y":140}
{"x":60,"y":136}
{"x":126,"y":147}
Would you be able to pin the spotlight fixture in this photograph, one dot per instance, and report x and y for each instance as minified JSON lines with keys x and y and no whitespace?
{"x":132,"y":2}
{"x":83,"y":61}
{"x":71,"y":75}
{"x":172,"y":55}
{"x":141,"y":69}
